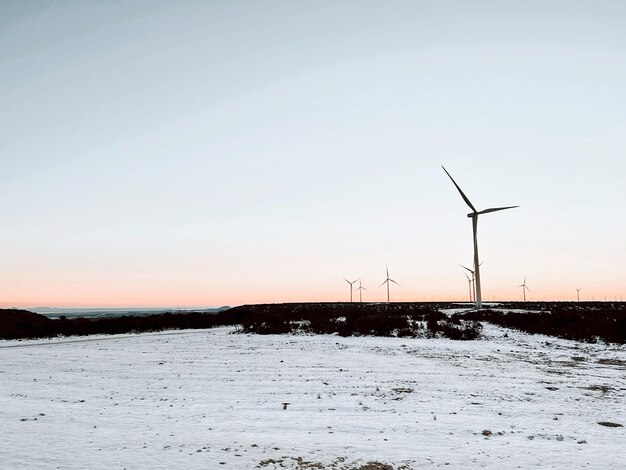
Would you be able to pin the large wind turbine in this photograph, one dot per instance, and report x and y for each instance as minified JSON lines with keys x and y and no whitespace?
{"x":474,"y":216}
{"x":387,"y":281}
{"x":524,"y":288}
{"x":578,"y":293}
{"x":360,"y":289}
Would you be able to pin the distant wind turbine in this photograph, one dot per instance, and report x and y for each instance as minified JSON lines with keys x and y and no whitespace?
{"x":473,"y":281}
{"x":351,"y":289}
{"x":474,"y":216}
{"x":360,"y":289}
{"x":469,"y":285}
{"x":524,"y":288}
{"x":387,"y":281}
{"x":578,"y":293}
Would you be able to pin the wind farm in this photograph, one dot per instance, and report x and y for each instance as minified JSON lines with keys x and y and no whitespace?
{"x":475,"y":280}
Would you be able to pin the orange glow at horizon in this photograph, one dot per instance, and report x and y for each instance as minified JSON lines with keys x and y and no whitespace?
{"x":190,"y":298}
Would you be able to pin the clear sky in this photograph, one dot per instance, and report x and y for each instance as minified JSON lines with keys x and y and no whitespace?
{"x":219,"y":153}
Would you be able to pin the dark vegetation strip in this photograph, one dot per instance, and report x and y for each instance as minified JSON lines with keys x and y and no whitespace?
{"x":345,"y":319}
{"x":585,"y":321}
{"x":398,"y":319}
{"x":21,"y":324}
{"x":588,"y":322}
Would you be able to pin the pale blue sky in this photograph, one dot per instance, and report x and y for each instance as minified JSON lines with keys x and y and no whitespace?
{"x":209,"y":153}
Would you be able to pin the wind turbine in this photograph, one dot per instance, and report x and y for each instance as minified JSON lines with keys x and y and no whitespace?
{"x":474,"y":216}
{"x":524,"y":288}
{"x":387,"y":281}
{"x":360,"y":289}
{"x":469,"y":285}
{"x":350,"y":287}
{"x":473,"y":281}
{"x":578,"y":293}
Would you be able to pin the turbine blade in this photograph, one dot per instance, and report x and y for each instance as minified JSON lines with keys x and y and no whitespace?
{"x":394,"y":282}
{"x":467,"y":201}
{"x":466,"y":268}
{"x":496,"y":209}
{"x":468,"y":278}
{"x":383,"y":283}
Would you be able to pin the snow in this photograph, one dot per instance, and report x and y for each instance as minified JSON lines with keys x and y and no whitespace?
{"x":212,"y":399}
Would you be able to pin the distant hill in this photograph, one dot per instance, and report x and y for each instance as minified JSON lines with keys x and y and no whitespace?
{"x":104,"y":312}
{"x":23,"y":324}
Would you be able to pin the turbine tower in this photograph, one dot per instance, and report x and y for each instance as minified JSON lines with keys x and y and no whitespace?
{"x":360,"y":289}
{"x":474,"y":216}
{"x":524,"y":288}
{"x":351,"y":290}
{"x":578,"y":293}
{"x":387,"y":281}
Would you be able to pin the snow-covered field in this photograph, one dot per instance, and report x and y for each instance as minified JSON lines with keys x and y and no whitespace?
{"x":209,"y":399}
